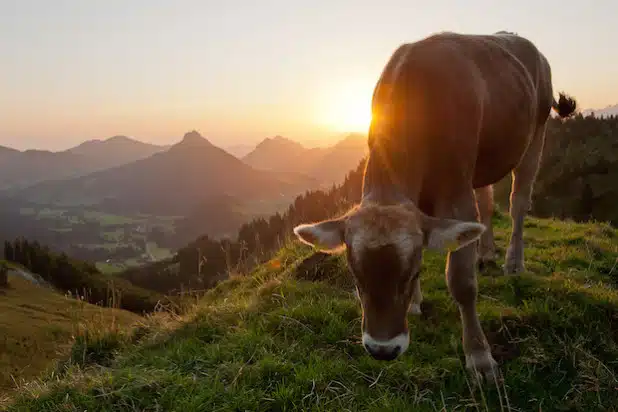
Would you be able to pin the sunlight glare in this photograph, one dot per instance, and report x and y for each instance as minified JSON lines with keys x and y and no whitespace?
{"x":349,"y":107}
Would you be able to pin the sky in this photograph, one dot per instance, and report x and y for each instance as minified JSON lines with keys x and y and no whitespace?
{"x":240,"y":71}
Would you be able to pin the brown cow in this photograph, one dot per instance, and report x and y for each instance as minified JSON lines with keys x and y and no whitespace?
{"x":452,"y":115}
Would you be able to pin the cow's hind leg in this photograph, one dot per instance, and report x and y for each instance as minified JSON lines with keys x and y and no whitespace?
{"x":487,"y":246}
{"x":462,"y":284}
{"x":524,"y":177}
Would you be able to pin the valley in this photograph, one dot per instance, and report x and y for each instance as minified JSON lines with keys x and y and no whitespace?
{"x":138,"y":203}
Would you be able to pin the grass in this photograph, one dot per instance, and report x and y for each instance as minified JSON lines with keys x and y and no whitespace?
{"x":107,"y":219}
{"x":109,"y":268}
{"x":37,"y":325}
{"x":159,"y":253}
{"x":276,"y":341}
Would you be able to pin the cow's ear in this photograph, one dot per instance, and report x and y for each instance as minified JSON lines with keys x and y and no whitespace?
{"x":327,"y":236}
{"x":450,"y":234}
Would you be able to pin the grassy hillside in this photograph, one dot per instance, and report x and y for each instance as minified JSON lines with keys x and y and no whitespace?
{"x":37,"y":326}
{"x":287,"y":337}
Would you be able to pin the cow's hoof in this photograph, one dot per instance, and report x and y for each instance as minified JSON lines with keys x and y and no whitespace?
{"x":482,"y":365}
{"x":415,"y":309}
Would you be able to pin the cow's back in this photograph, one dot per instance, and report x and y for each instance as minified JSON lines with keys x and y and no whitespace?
{"x":518,"y":101}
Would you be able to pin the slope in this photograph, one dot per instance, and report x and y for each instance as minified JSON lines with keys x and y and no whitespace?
{"x":21,"y":169}
{"x":287,"y":338}
{"x":38,"y":324}
{"x":168,"y":183}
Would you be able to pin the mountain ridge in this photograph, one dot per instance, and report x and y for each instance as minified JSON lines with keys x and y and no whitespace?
{"x":168,"y":182}
{"x":32,"y":166}
{"x":327,"y":164}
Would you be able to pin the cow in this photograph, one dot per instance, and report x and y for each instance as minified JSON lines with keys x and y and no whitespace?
{"x":452,"y":114}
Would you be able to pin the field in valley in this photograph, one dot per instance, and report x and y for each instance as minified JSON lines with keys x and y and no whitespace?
{"x":114,"y":242}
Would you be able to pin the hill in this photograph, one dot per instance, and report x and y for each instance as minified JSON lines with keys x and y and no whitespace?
{"x":169,"y":183}
{"x":21,"y":169}
{"x":81,"y":278}
{"x":328,"y":165}
{"x":38,"y":326}
{"x":286,"y":337}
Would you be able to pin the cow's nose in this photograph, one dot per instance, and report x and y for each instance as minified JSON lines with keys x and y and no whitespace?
{"x":386,"y":350}
{"x":384,"y":353}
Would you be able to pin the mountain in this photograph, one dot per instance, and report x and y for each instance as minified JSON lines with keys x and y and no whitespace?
{"x":328,"y":165}
{"x":7,"y":151}
{"x":606,"y":112}
{"x":19,"y":169}
{"x":171,"y":182}
{"x":282,"y":155}
{"x":24,"y":168}
{"x":116,"y":150}
{"x":339,"y":159}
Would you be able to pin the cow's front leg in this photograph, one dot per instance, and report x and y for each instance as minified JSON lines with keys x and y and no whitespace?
{"x":462,"y":284}
{"x":417,"y":297}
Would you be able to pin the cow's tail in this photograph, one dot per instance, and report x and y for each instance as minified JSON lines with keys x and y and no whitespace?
{"x":565,"y":106}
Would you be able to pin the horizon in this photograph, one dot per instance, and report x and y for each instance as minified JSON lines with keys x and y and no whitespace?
{"x":252,"y":145}
{"x":153,"y":73}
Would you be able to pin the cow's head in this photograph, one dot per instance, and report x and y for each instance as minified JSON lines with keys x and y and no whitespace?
{"x":384,"y":244}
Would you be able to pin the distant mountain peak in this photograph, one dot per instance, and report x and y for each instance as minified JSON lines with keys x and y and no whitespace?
{"x":194,"y":138}
{"x":279,"y":141}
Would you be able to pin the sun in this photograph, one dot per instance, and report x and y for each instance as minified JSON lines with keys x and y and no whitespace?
{"x":348,"y":109}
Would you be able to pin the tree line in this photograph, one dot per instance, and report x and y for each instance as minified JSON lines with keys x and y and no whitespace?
{"x":579,"y":171}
